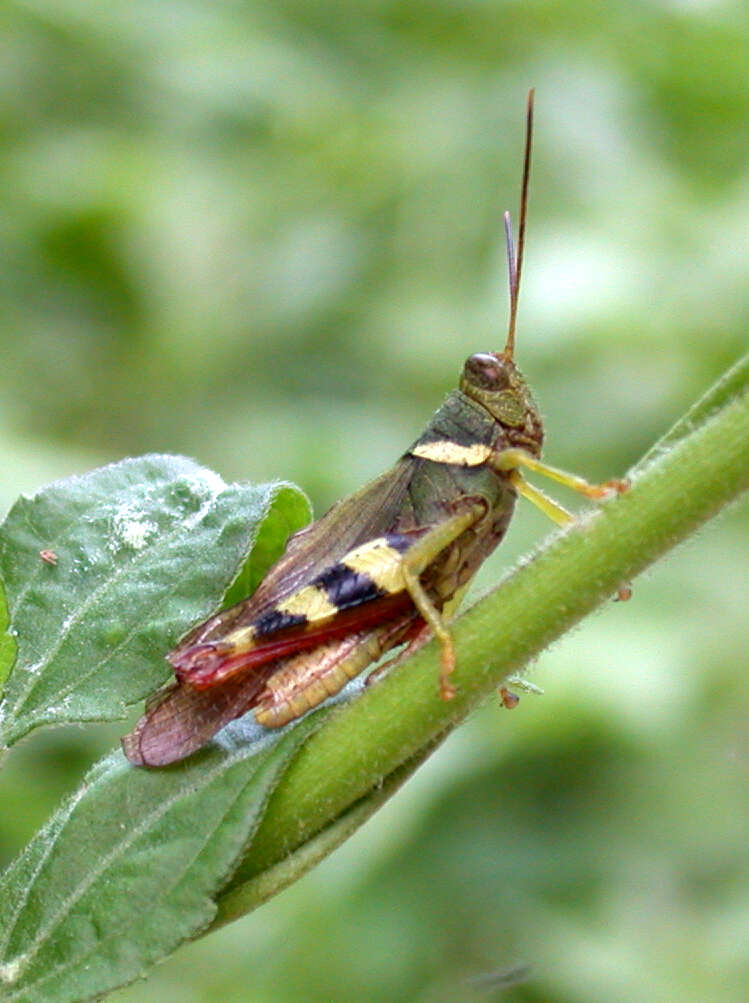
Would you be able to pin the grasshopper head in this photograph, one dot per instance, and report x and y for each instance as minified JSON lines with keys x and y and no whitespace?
{"x":494,"y":381}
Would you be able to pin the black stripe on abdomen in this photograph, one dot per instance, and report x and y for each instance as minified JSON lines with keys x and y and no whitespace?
{"x":275,"y":620}
{"x":348,"y":588}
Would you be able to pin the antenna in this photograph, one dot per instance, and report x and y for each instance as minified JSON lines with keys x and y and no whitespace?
{"x":516,"y":265}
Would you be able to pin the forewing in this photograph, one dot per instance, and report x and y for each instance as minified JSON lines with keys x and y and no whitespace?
{"x":363,"y":516}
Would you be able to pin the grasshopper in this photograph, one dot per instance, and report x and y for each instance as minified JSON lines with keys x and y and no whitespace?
{"x":383,"y":568}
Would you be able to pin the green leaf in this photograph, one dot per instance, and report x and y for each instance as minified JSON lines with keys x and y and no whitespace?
{"x":128,"y":867}
{"x":145,"y":548}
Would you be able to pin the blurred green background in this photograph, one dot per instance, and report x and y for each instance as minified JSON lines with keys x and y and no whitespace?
{"x":267,"y":235}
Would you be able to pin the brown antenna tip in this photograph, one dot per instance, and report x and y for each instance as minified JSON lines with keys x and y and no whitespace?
{"x":516,"y":265}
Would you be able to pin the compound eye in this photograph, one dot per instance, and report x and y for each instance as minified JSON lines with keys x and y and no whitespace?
{"x":487,"y":372}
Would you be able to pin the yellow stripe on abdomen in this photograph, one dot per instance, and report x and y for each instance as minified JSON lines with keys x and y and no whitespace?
{"x":311,"y":601}
{"x":380,"y":562}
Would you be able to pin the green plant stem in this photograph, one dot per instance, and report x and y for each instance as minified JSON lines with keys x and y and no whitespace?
{"x":574,"y":572}
{"x":267,"y":883}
